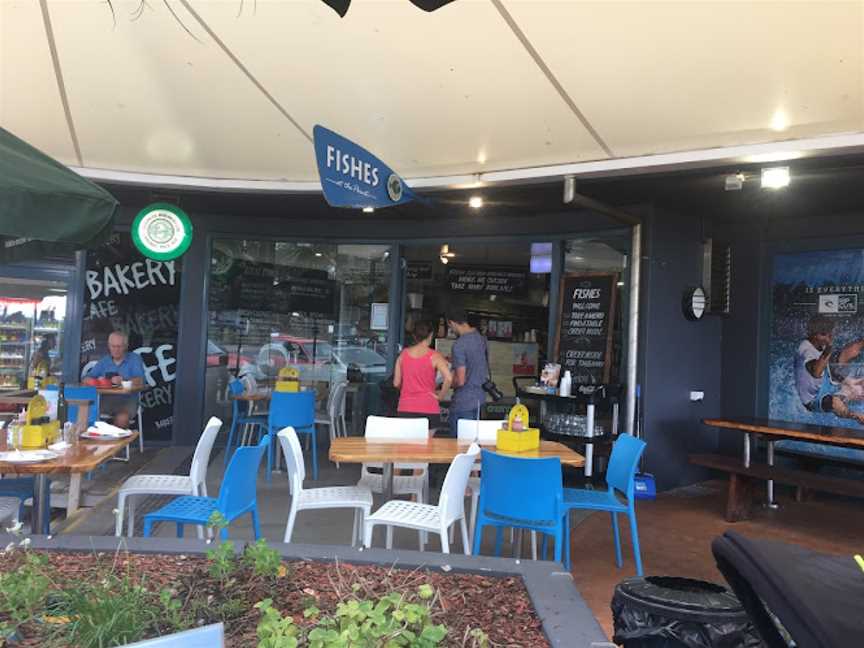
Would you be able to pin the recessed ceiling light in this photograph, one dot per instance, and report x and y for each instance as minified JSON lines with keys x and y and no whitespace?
{"x":775,"y":177}
{"x":779,"y":121}
{"x":475,"y":202}
{"x":368,"y":210}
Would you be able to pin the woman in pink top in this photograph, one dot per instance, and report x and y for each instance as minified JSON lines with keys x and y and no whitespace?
{"x":415,"y":376}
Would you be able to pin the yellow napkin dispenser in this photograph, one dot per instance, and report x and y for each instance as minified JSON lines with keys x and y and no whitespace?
{"x":288,"y":380}
{"x":39,"y":434}
{"x":518,"y":437}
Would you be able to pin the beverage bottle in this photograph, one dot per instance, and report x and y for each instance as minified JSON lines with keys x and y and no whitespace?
{"x":566,"y":384}
{"x":62,"y":407}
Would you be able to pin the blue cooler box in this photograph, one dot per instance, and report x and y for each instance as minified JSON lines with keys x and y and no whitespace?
{"x":644,"y":486}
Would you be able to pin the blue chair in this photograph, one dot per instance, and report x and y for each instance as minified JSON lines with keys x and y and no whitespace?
{"x":237,"y":496}
{"x":23,"y":488}
{"x":295,"y":410}
{"x":520,"y":493}
{"x":620,"y":477}
{"x":240,"y":415}
{"x":80,"y":393}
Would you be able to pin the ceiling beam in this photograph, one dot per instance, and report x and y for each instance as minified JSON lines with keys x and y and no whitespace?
{"x":550,"y":76}
{"x":58,"y":75}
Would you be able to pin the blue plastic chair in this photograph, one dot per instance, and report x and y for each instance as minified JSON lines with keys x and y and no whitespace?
{"x":296,"y":410}
{"x":237,"y":496}
{"x":23,"y":488}
{"x":80,"y":393}
{"x":520,"y":493}
{"x":240,"y":415}
{"x":620,"y":477}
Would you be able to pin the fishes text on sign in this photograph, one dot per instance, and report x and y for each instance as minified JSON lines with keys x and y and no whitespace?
{"x":352,"y":166}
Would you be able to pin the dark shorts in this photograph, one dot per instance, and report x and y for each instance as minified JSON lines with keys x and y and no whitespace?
{"x":821,"y":404}
{"x":434,"y":420}
{"x":114,"y":405}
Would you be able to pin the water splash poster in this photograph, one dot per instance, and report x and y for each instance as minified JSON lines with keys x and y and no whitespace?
{"x":816,"y":364}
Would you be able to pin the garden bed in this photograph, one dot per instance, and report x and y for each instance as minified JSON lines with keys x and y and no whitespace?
{"x":480,"y":600}
{"x":154,"y":594}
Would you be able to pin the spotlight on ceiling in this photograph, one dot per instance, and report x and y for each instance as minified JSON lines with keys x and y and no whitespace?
{"x":475,"y":202}
{"x":368,"y":210}
{"x":775,"y":177}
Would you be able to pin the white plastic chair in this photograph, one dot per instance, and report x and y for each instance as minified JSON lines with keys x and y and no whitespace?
{"x":396,"y":430}
{"x":484,"y":433}
{"x":9,"y":508}
{"x":426,"y":517}
{"x":334,"y":416}
{"x":193,"y":484}
{"x":355,"y":497}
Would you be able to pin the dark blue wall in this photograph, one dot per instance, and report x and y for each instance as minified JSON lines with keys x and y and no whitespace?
{"x":678,"y":355}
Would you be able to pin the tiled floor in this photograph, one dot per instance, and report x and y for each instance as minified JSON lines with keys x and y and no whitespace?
{"x":676,"y":531}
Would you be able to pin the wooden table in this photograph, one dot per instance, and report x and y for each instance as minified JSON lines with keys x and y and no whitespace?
{"x":774,"y":430}
{"x":435,"y":450}
{"x":83,"y":457}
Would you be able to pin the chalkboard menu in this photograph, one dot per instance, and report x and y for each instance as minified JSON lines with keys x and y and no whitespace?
{"x":256,"y":286}
{"x":489,"y":281}
{"x":583,"y":342}
{"x":127,"y":292}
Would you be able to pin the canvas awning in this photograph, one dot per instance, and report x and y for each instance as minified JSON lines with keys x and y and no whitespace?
{"x":46,"y":207}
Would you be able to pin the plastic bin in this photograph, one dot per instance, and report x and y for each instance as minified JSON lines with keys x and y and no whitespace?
{"x":672,"y":612}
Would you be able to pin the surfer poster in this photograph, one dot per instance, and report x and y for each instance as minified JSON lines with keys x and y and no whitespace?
{"x":816,"y":364}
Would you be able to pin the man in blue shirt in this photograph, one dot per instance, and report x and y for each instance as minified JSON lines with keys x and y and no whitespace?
{"x":470,"y":370}
{"x":120,"y":365}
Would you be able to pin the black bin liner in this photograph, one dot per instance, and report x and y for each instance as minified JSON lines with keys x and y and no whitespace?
{"x":672,"y":612}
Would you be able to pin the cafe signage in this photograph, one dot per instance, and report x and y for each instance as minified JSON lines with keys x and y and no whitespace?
{"x":162,"y":231}
{"x":587,"y":317}
{"x":352,"y":177}
{"x":488,"y":281}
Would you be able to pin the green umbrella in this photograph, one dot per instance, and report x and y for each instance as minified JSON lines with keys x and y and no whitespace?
{"x":45,"y":207}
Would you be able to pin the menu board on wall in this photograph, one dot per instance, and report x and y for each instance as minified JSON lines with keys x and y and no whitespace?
{"x":583,"y":342}
{"x":127,"y":292}
{"x":244,"y":285}
{"x":488,"y":281}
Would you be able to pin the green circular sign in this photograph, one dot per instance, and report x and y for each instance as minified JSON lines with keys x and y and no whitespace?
{"x":162,"y":231}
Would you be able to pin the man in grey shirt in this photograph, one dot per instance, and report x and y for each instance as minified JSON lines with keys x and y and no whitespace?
{"x":470,"y":370}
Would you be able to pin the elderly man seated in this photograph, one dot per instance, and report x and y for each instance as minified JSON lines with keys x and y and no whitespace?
{"x":120,"y":365}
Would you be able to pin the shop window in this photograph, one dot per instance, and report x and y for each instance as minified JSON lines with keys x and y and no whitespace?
{"x":124,"y":291}
{"x":32,"y":315}
{"x":315,"y":307}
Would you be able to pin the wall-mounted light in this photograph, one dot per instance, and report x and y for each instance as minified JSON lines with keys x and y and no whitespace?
{"x":445,"y":254}
{"x":475,"y":202}
{"x":368,"y":210}
{"x":775,"y":177}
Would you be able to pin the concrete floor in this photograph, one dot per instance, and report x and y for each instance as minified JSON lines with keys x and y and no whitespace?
{"x":326,"y":526}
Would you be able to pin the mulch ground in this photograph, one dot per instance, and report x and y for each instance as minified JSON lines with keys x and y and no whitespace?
{"x":500,"y":607}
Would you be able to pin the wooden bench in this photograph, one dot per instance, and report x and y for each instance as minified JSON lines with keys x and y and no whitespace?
{"x":744,"y":482}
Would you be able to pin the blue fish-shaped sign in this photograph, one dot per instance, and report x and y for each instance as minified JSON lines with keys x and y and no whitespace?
{"x":352,"y":177}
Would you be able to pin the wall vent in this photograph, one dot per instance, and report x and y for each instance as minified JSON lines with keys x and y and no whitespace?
{"x":717,"y":275}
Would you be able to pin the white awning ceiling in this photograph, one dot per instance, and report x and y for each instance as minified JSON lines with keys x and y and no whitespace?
{"x":477,"y":87}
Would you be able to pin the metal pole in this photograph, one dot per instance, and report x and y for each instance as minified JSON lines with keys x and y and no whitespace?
{"x":633,"y":329}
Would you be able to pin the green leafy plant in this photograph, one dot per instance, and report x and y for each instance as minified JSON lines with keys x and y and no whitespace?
{"x":263,"y":559}
{"x":223,"y":561}
{"x":23,"y":591}
{"x":275,"y":630}
{"x":394,"y":620}
{"x":172,"y":611}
